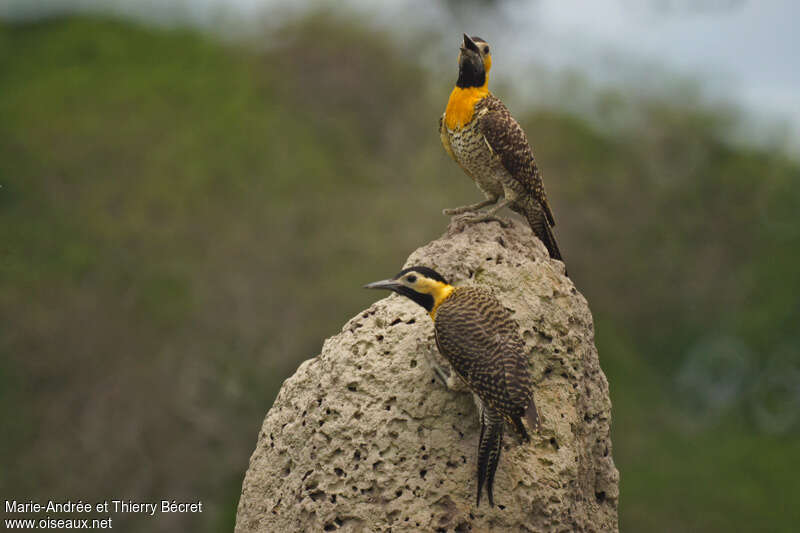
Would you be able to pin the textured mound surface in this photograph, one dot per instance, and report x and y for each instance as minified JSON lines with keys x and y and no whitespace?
{"x":363,"y":438}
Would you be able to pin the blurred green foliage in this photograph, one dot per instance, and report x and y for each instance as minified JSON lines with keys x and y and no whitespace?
{"x":183,"y":221}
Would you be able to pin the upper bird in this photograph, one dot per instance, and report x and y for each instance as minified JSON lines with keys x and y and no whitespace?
{"x":479,"y":133}
{"x":481,"y":340}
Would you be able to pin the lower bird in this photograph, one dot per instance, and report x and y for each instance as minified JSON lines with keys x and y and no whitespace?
{"x":481,"y":341}
{"x":479,"y":133}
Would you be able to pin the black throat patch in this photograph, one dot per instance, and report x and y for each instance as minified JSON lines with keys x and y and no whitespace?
{"x":425,"y":300}
{"x":471,"y":73}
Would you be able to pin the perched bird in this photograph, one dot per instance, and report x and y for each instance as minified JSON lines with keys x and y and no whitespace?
{"x":480,"y":134}
{"x":481,"y":341}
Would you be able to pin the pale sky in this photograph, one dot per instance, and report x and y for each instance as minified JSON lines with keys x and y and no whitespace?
{"x":743,"y":51}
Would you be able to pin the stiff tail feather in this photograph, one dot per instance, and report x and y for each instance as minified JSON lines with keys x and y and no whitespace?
{"x":541,"y":228}
{"x":489,"y":448}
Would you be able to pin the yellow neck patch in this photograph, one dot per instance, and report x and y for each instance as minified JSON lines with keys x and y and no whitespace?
{"x":461,"y":105}
{"x":440,"y":291}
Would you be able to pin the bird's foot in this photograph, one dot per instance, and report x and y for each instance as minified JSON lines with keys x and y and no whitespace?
{"x":456,"y":210}
{"x":444,"y":374}
{"x":441,"y":375}
{"x":472,"y":208}
{"x":487,"y":217}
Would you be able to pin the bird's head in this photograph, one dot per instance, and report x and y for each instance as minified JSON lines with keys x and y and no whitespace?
{"x":474,"y":62}
{"x":422,"y":284}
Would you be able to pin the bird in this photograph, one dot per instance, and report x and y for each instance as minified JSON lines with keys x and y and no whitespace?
{"x":479,"y":133}
{"x":480,"y":339}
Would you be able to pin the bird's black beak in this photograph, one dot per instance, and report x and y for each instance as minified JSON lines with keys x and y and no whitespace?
{"x":469,"y":44}
{"x":387,"y":284}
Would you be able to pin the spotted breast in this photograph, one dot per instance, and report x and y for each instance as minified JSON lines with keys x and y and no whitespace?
{"x":469,"y":149}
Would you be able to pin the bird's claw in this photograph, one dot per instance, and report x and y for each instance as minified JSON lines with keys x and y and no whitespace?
{"x":453,"y":211}
{"x":487,"y":218}
{"x":475,"y":218}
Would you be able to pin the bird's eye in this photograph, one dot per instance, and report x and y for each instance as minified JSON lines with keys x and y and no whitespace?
{"x":411,"y":279}
{"x":485,"y":49}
